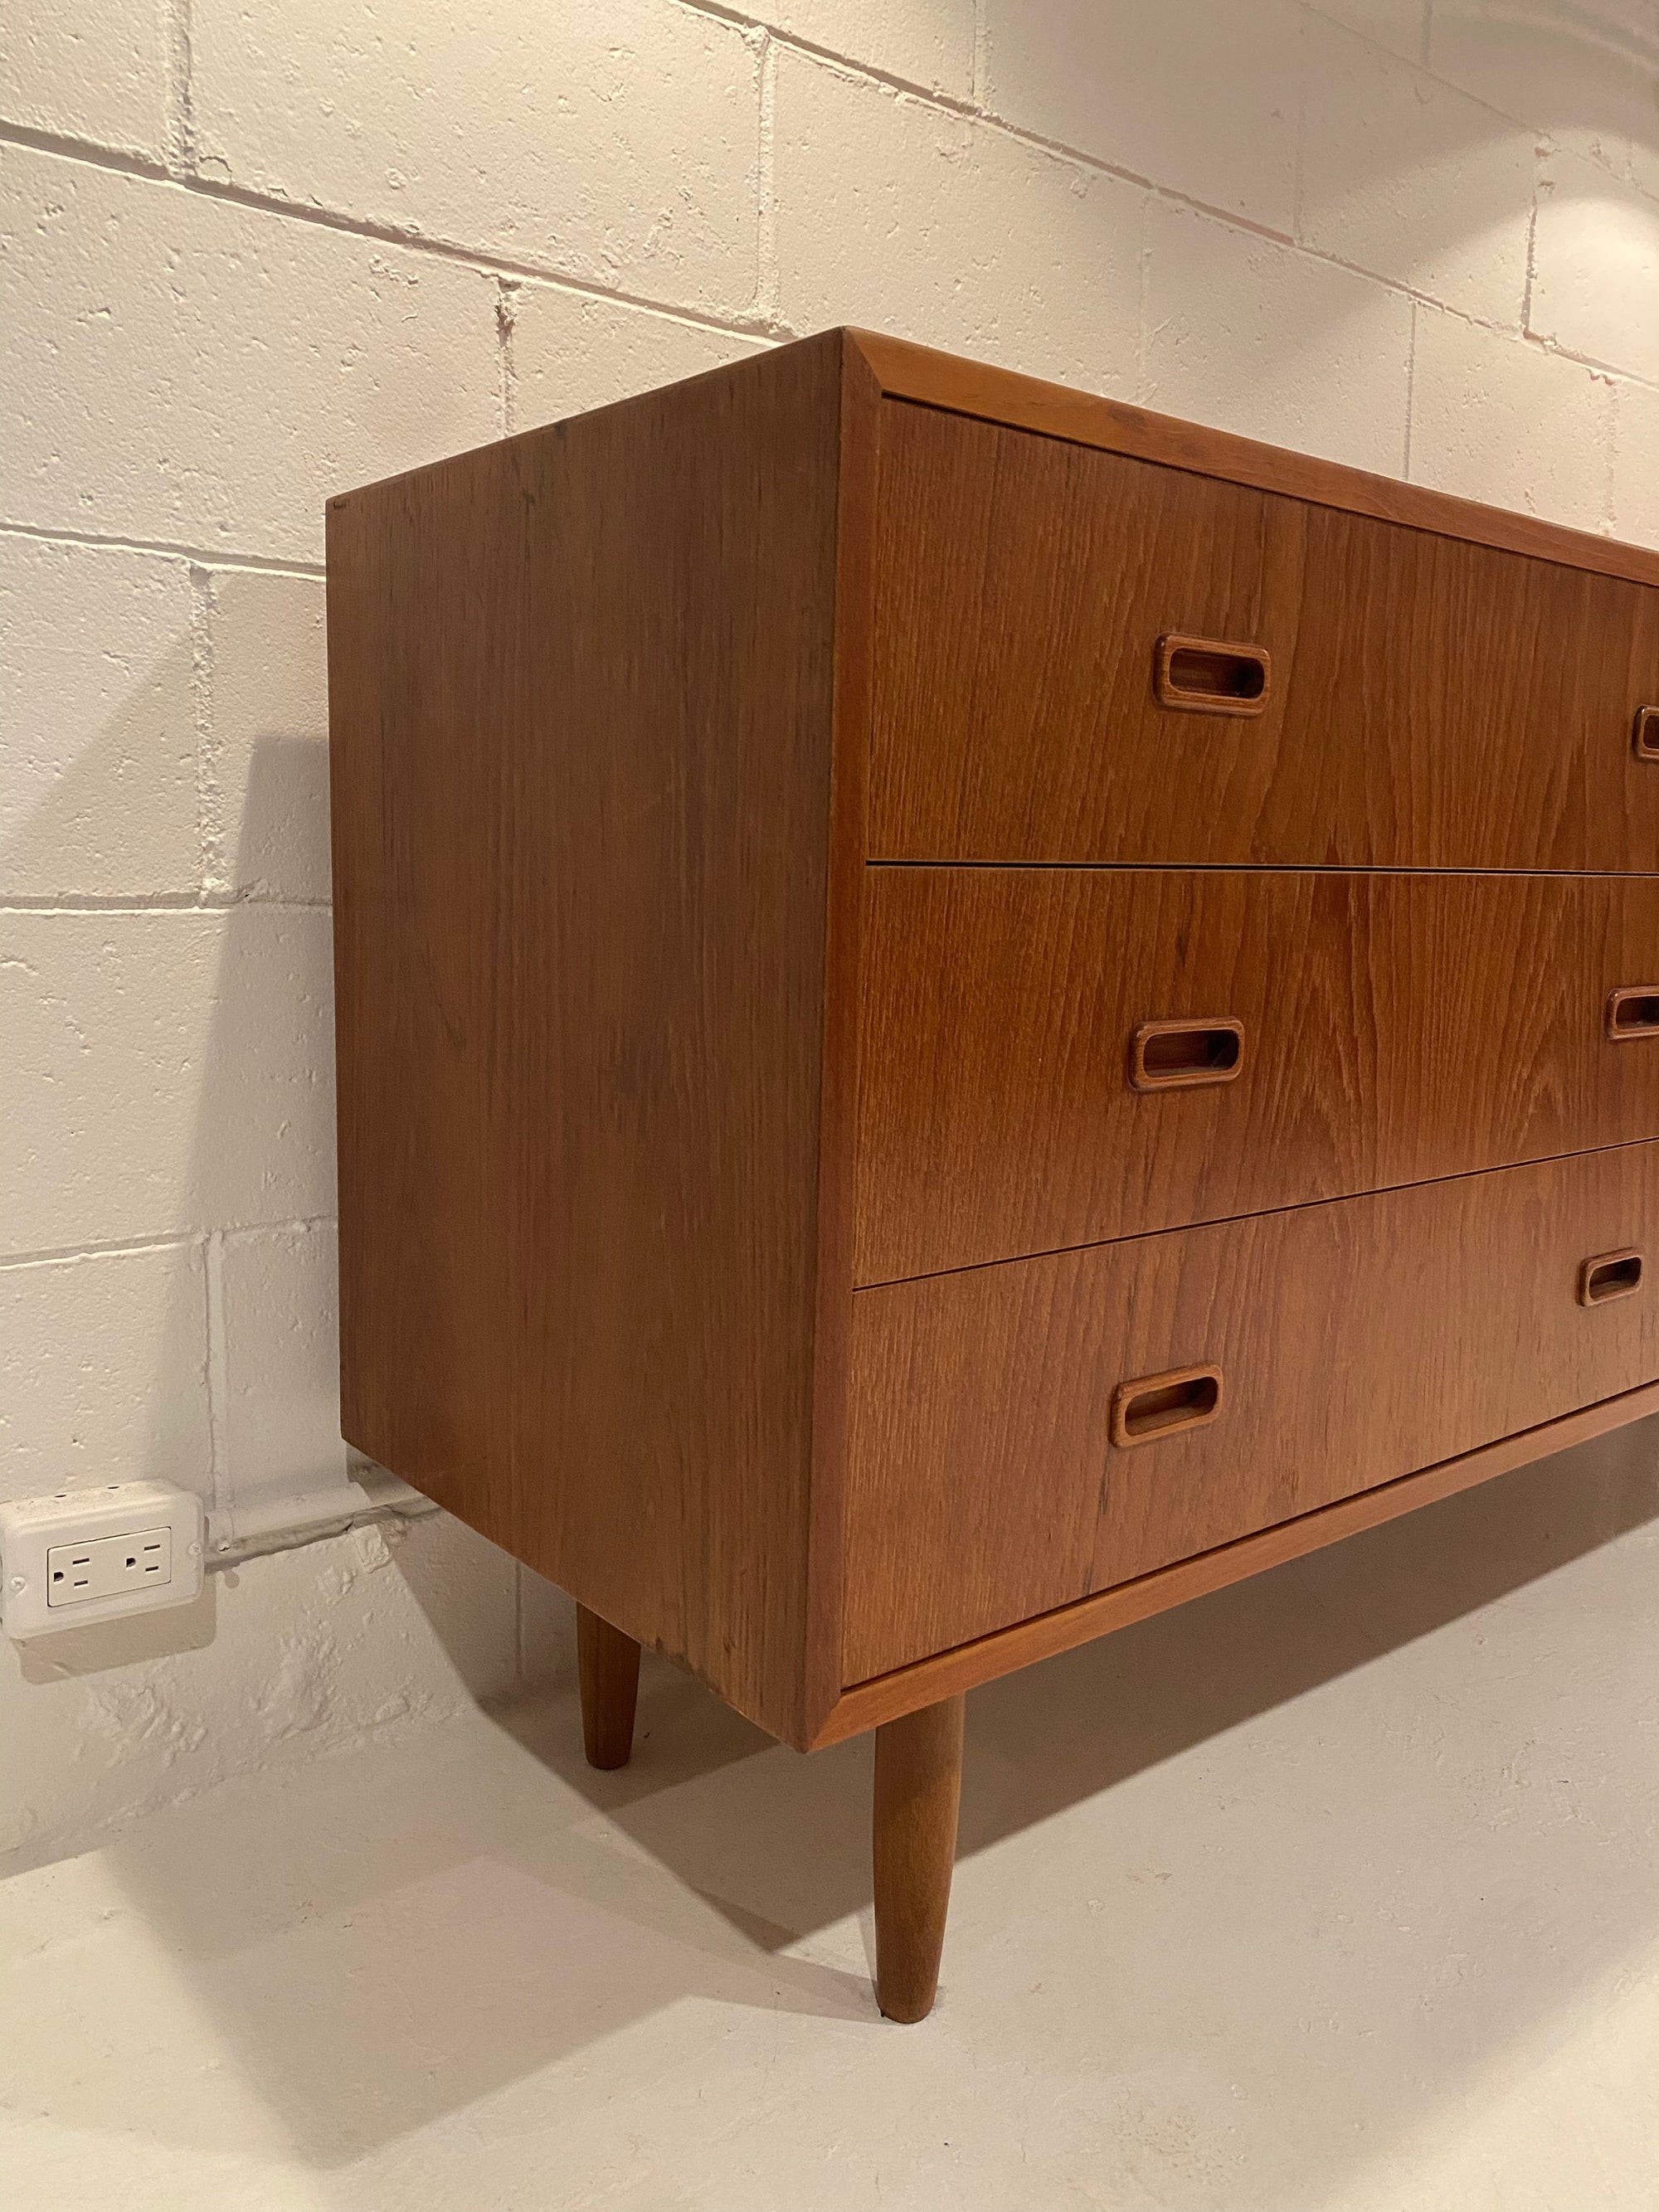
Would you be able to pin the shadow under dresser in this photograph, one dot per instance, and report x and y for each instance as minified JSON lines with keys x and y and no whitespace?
{"x":965,"y":1012}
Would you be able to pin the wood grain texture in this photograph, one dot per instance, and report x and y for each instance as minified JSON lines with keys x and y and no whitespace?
{"x":581,"y":696}
{"x":907,"y":371}
{"x":854,"y":615}
{"x":1434,"y":703}
{"x":918,"y":1792}
{"x":608,"y":1677}
{"x":907,"y":1689}
{"x":1398,"y":1028}
{"x":1360,"y":1342}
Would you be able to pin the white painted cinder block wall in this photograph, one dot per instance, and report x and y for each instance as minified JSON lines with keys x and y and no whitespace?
{"x":254,"y":254}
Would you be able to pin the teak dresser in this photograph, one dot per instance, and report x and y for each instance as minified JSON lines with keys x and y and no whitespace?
{"x":965,"y":1012}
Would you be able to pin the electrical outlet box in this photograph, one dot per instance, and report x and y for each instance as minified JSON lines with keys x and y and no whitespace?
{"x":84,"y":1556}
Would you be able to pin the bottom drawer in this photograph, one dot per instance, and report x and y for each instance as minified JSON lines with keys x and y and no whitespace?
{"x":1353,"y":1342}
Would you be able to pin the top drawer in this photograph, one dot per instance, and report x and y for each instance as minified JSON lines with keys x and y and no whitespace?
{"x":1429,"y":702}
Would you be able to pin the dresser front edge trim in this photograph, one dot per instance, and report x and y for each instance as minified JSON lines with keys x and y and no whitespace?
{"x":917,"y":375}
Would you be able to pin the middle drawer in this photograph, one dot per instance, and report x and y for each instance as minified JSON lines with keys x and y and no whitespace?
{"x":1346,"y":1032}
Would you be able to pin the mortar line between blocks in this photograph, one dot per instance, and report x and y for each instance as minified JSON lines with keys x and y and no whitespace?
{"x":486,"y":262}
{"x":1144,"y":293}
{"x":813,"y":50}
{"x":1410,"y":393}
{"x":182,"y":1240}
{"x":971,"y":103}
{"x":1610,"y":369}
{"x":483,"y":259}
{"x":1298,"y":176}
{"x":1610,"y":474}
{"x":973,"y":108}
{"x":249,"y":1232}
{"x":768,"y":273}
{"x":506,"y":292}
{"x":216,"y":1373}
{"x":119,"y":1249}
{"x":134,"y":904}
{"x":1538,"y":159}
{"x":89,"y":153}
{"x":209,"y":825}
{"x":162,"y":548}
{"x":181,"y":118}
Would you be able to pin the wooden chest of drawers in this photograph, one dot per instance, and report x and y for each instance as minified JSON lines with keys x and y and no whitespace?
{"x":965,"y":1012}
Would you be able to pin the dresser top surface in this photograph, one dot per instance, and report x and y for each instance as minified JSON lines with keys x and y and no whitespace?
{"x":899,"y":369}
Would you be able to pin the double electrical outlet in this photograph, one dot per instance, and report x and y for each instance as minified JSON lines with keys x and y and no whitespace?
{"x":84,"y":1556}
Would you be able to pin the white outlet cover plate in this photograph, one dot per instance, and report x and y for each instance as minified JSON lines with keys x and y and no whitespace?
{"x":32,"y":1527}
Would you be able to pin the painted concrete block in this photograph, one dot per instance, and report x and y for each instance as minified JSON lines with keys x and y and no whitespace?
{"x":926,"y":42}
{"x":98,"y":735}
{"x":87,"y":69}
{"x":1635,"y":498}
{"x":164,"y":1071}
{"x":895,"y":215}
{"x":571,"y":351}
{"x":1197,"y":96}
{"x":619,"y":143}
{"x":1413,"y":181}
{"x":1496,"y":419}
{"x":265,"y":779}
{"x":1596,"y":266}
{"x":179,"y":369}
{"x":279,"y":1311}
{"x":1254,"y":336}
{"x":1401,"y":26}
{"x":103,"y":1372}
{"x":1587,"y":85}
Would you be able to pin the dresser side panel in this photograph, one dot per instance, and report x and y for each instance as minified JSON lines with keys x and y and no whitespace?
{"x":581,"y":716}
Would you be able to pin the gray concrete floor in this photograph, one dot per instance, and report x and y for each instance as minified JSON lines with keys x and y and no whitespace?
{"x":1338,"y":1890}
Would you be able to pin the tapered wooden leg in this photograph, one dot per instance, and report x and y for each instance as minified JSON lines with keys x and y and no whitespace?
{"x":608,"y":1668}
{"x":918,"y":1786}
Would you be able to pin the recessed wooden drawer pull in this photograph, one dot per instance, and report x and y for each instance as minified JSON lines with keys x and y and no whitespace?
{"x":1203,"y":675}
{"x":1612,"y":1275}
{"x":1165,"y":1405}
{"x":1634,"y":1011}
{"x":1177,"y":1056}
{"x":1647,"y":733}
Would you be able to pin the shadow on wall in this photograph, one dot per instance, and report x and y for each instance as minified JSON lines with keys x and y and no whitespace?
{"x":1289,"y":1846}
{"x":180,"y":1044}
{"x":179,"y":1032}
{"x":170,"y":815}
{"x":188,"y":1050}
